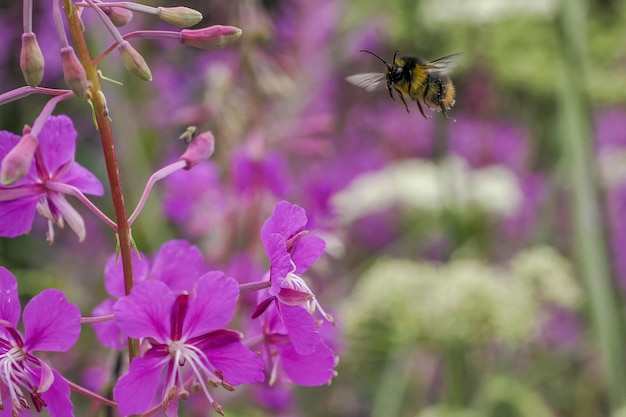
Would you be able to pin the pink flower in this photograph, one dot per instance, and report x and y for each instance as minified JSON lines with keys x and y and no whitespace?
{"x":186,"y":339}
{"x":291,"y":251}
{"x":178,"y":264}
{"x":52,"y":174}
{"x":51,"y":324}
{"x":286,"y":363}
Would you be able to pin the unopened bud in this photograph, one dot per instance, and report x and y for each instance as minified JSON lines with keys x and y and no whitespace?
{"x":182,"y":17}
{"x":118,"y":15}
{"x":16,"y":163}
{"x":31,"y":59}
{"x":134,"y":62}
{"x":74,"y":72}
{"x":212,"y":37}
{"x":199,"y":149}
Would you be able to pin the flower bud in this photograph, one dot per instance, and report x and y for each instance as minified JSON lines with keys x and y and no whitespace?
{"x":212,"y":37}
{"x":134,"y":62}
{"x":118,"y":15}
{"x":16,"y":163}
{"x":74,"y":72}
{"x":182,"y":17}
{"x":31,"y":59}
{"x":199,"y":149}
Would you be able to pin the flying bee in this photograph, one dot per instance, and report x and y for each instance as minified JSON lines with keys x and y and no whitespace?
{"x":412,"y":77}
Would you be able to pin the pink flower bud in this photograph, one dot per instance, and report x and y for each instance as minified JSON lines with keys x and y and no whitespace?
{"x":16,"y":163}
{"x":199,"y":149}
{"x":118,"y":15}
{"x":31,"y":60}
{"x":74,"y":72}
{"x":182,"y":17}
{"x":212,"y":37}
{"x":134,"y":62}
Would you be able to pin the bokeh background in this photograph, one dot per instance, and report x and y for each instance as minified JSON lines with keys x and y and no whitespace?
{"x":475,"y":266}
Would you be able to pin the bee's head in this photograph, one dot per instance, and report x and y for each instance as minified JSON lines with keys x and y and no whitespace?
{"x":395,"y":71}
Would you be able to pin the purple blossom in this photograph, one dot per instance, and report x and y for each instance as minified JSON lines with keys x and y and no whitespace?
{"x":291,"y":251}
{"x":284,"y":360}
{"x":190,"y":195}
{"x":186,"y":338}
{"x":484,"y":143}
{"x":52,"y":174}
{"x":51,"y":324}
{"x":178,"y":264}
{"x":252,"y":175}
{"x":609,"y":133}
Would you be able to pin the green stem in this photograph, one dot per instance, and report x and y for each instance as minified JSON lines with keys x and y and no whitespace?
{"x":457,"y":376}
{"x":588,"y":226}
{"x":108,"y":148}
{"x":393,"y":385}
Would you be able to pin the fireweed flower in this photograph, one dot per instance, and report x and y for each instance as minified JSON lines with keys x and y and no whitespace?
{"x":291,"y":251}
{"x":189,"y":195}
{"x":186,"y":339}
{"x":178,"y":264}
{"x":52,"y":174}
{"x":286,"y":363}
{"x":51,"y":324}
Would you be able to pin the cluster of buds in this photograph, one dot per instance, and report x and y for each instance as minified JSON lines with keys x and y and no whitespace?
{"x":113,"y":16}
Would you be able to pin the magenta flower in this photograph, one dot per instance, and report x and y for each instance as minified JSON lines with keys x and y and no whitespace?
{"x":284,"y":360}
{"x":52,"y":174}
{"x":255,"y":174}
{"x":292,"y":250}
{"x":178,"y":264}
{"x":189,"y":195}
{"x":51,"y":324}
{"x":186,"y":339}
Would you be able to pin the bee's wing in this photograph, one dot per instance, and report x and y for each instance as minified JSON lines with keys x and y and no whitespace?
{"x":369,"y":81}
{"x":443,"y":65}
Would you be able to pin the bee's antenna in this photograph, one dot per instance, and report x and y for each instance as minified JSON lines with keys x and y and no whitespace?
{"x":372,"y":53}
{"x":395,"y":54}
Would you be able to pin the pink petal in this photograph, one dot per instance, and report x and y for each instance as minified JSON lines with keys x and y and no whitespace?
{"x":10,"y":306}
{"x":114,"y":273}
{"x":178,"y":264}
{"x":107,"y":332}
{"x":307,"y":250}
{"x":81,"y":178}
{"x":135,"y":391}
{"x":213,"y":306}
{"x":57,"y":398}
{"x":225,"y":351}
{"x":57,"y":141}
{"x":287,"y":219}
{"x":17,"y":216}
{"x":300,"y":328}
{"x":72,"y":217}
{"x":280,"y":261}
{"x":146,"y":311}
{"x":308,"y":370}
{"x":51,"y":323}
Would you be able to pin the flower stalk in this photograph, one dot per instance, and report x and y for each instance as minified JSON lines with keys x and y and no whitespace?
{"x":108,"y":148}
{"x":590,"y":241}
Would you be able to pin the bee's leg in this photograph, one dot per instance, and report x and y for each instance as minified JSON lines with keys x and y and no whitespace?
{"x":404,"y":102}
{"x":390,"y":93}
{"x":442,"y":93}
{"x":419,"y":106}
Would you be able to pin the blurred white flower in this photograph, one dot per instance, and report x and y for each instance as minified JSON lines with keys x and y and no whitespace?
{"x":425,"y":185}
{"x":482,"y":10}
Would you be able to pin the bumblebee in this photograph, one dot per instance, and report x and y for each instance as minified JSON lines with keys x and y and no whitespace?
{"x":412,"y":77}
